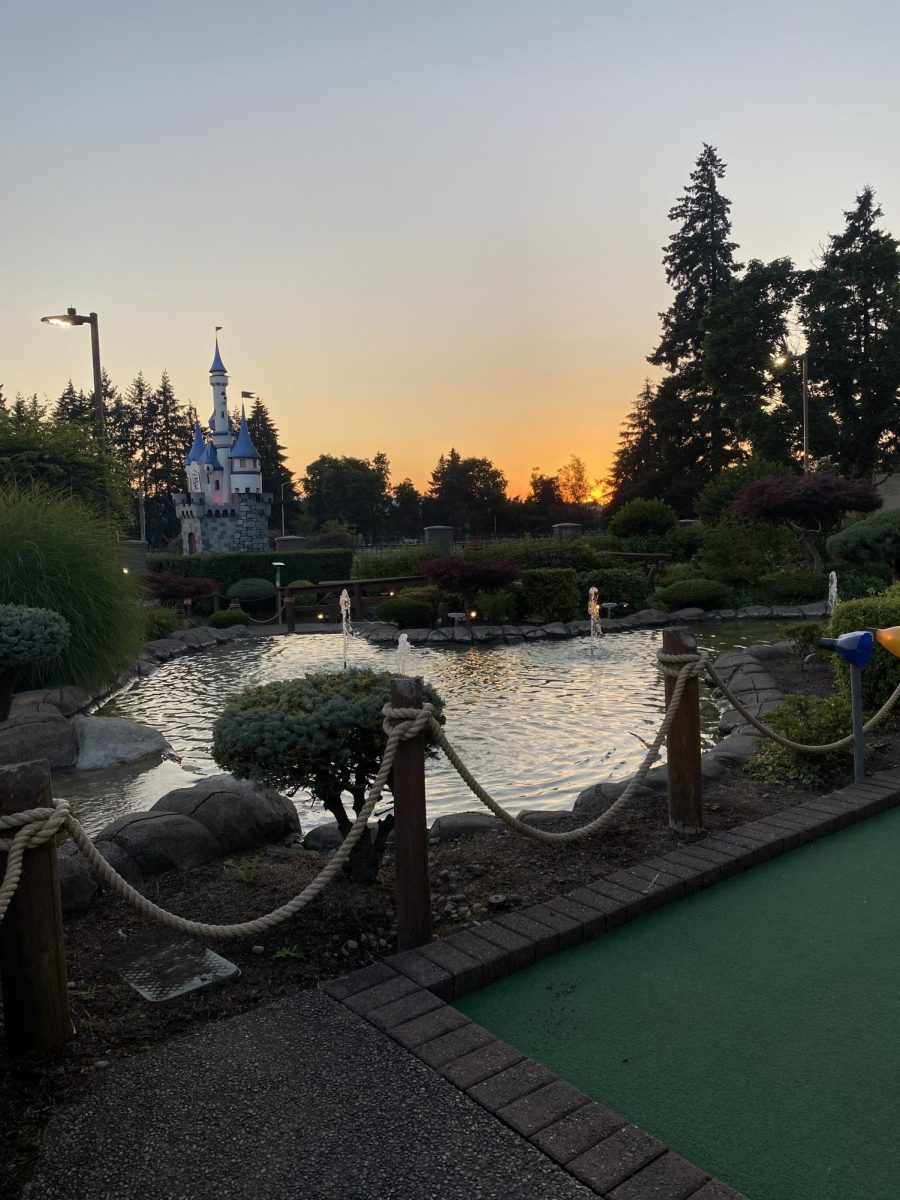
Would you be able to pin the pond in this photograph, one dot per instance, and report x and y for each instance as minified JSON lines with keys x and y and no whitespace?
{"x":536,"y":722}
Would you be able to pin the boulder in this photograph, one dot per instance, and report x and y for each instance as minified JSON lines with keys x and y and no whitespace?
{"x":652,"y":617}
{"x":734,"y":749}
{"x":512,"y":633}
{"x":542,"y":816}
{"x":323,"y":837}
{"x":533,"y":633}
{"x":556,"y":629}
{"x":67,"y":700}
{"x":415,"y":636}
{"x":597,"y":799}
{"x":162,"y":649}
{"x":120,"y":860}
{"x":28,"y":735}
{"x":440,"y":635}
{"x":819,"y":608}
{"x":115,"y":741}
{"x":578,"y":628}
{"x":78,"y":884}
{"x":239,"y":814}
{"x":688,"y":614}
{"x":488,"y":633}
{"x":197,"y":637}
{"x":456,"y":825}
{"x":461,"y":634}
{"x":777,"y":650}
{"x":161,"y":841}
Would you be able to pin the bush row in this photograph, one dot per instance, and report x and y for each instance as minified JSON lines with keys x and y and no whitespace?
{"x":228,"y":569}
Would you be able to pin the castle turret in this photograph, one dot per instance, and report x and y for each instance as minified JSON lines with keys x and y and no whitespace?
{"x":220,"y":422}
{"x":246,"y":465}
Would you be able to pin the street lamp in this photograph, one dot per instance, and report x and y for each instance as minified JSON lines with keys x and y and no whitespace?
{"x":71,"y":317}
{"x":283,"y":530}
{"x":781,"y":360}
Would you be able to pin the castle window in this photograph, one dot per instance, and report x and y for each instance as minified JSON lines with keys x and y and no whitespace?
{"x":209,"y":512}
{"x":217,"y":485}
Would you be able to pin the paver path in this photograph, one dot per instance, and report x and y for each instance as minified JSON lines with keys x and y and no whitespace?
{"x":296,"y":1099}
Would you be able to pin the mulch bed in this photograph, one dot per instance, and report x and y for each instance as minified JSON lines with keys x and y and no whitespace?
{"x":347,"y":927}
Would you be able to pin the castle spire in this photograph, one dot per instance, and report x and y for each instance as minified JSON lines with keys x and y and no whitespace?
{"x":218,"y":367}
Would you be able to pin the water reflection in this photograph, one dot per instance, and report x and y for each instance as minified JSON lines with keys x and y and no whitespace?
{"x":536,"y":722}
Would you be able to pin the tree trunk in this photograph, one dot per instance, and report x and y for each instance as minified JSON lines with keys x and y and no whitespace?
{"x":809,"y":541}
{"x":6,"y":693}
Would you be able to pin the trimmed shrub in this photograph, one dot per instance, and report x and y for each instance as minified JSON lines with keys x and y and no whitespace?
{"x":332,"y":539}
{"x":882,"y":674}
{"x":55,"y":553}
{"x":804,"y":634}
{"x":27,"y":636}
{"x":548,"y":594}
{"x":854,"y":582}
{"x":794,"y":585}
{"x":227,"y":569}
{"x":300,"y":583}
{"x":321,"y":732}
{"x":227,"y":617}
{"x":629,"y":589}
{"x":643,"y":516}
{"x":381,"y":564}
{"x":251,"y":589}
{"x":814,"y":721}
{"x":873,"y":541}
{"x":738,"y":553}
{"x":405,"y":612}
{"x":694,"y":593}
{"x":496,"y":608}
{"x":160,"y":622}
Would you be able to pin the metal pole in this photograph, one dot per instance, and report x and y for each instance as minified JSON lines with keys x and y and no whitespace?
{"x":803,"y":363}
{"x":282,"y":511}
{"x":859,"y":737}
{"x":99,"y":417}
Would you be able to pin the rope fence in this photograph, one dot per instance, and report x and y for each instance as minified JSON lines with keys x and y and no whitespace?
{"x":30,"y":828}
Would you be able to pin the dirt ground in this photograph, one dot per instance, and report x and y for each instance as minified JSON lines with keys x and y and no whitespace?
{"x":348,"y":927}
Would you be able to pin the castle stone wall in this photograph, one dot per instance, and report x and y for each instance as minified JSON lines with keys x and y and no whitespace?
{"x":242,"y":524}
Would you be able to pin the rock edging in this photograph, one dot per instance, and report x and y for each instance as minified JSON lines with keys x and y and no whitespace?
{"x":185,"y":828}
{"x":647,"y":618}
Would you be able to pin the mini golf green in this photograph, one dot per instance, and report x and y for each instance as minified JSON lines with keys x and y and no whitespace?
{"x":752,"y":1027}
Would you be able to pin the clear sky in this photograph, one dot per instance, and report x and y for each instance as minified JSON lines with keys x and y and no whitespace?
{"x":420,"y":223}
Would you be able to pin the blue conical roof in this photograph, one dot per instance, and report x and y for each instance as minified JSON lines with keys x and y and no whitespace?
{"x":210,"y":458}
{"x":243,"y":446}
{"x":196,"y":450}
{"x":218,"y":367}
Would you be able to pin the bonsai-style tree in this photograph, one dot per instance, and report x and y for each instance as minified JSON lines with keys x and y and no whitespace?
{"x":320,"y":732}
{"x":640,"y":516}
{"x":810,"y":505}
{"x":874,"y":539}
{"x":27,"y":636}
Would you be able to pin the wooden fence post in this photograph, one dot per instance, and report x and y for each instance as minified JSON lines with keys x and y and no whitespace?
{"x":32,"y":956}
{"x":290,"y":614}
{"x":683,"y":742}
{"x":410,"y":829}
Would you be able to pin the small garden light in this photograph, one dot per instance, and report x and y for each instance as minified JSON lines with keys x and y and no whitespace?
{"x":320,"y":616}
{"x":473,"y":614}
{"x":890,"y":639}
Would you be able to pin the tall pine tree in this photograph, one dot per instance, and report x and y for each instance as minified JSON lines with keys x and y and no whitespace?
{"x":850,"y":311}
{"x":687,"y":410}
{"x":276,"y":474}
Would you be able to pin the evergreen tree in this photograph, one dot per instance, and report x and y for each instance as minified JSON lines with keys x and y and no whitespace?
{"x":850,"y":311}
{"x":467,"y":493}
{"x":406,"y":510}
{"x":275,"y":472}
{"x":74,"y":407}
{"x":348,"y":490}
{"x":760,"y":408}
{"x":638,"y":465}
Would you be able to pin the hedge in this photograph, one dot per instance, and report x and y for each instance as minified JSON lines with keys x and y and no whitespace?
{"x":548,"y":594}
{"x":882,"y":674}
{"x":227,"y":569}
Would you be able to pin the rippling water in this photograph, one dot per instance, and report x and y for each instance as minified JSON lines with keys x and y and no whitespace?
{"x":536,"y":722}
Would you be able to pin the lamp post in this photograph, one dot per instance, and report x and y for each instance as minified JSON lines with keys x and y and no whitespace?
{"x":781,"y":360}
{"x":283,"y":529}
{"x":71,"y":317}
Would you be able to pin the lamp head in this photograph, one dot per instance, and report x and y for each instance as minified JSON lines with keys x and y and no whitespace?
{"x":890,"y":639}
{"x":854,"y":648}
{"x":69,"y":317}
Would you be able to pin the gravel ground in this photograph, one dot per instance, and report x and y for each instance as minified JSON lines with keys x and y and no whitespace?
{"x":249,"y":1108}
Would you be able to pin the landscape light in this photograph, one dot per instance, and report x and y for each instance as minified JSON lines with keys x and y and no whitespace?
{"x":890,"y":639}
{"x":473,"y":614}
{"x":321,"y":616}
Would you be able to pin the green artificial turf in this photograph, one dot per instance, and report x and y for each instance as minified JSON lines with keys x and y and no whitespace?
{"x":752,"y":1027}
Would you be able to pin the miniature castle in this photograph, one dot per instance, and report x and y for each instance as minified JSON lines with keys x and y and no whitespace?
{"x":224,"y":508}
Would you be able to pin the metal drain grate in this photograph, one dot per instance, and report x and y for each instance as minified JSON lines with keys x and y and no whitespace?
{"x":175,"y":969}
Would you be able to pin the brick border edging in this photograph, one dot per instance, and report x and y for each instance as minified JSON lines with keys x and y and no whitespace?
{"x":405,"y":996}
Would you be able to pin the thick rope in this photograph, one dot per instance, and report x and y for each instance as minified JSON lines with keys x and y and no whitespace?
{"x":38,"y":825}
{"x":686,"y":672}
{"x":671,"y":663}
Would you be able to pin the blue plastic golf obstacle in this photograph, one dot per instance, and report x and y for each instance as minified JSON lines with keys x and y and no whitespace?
{"x":854,"y":648}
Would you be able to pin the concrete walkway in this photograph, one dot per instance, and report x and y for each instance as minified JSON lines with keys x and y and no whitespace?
{"x":297,"y":1099}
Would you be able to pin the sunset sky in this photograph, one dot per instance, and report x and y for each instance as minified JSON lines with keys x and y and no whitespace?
{"x":420,"y":224}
